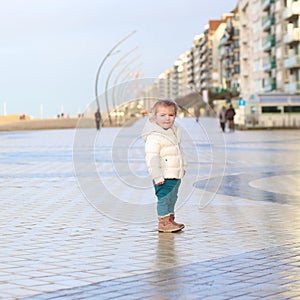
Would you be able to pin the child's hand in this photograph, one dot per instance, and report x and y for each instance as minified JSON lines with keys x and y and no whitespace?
{"x":160,"y":183}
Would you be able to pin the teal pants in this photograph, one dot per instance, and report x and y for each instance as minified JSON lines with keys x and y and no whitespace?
{"x":167,"y":195}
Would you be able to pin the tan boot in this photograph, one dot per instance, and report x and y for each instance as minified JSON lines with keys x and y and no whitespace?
{"x":172,"y":220}
{"x":165,"y":225}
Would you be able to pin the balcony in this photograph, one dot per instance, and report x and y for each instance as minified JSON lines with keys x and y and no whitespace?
{"x":227,"y":63}
{"x":266,"y":4}
{"x":204,"y":77}
{"x":292,"y":36}
{"x":292,"y":12}
{"x":226,"y":52}
{"x":225,"y":41}
{"x":269,"y":64}
{"x":203,"y":51}
{"x":267,"y":22}
{"x":292,"y":62}
{"x":202,"y":60}
{"x":292,"y":87}
{"x":204,"y":86}
{"x":204,"y":67}
{"x":202,"y":42}
{"x":270,"y":85}
{"x":269,"y":42}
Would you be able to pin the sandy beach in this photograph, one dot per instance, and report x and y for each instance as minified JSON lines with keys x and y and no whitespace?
{"x":39,"y":124}
{"x":15,"y":124}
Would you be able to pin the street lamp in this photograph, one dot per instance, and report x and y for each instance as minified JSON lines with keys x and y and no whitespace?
{"x":124,"y":69}
{"x":108,"y":79}
{"x":128,"y":71}
{"x":131,"y":86}
{"x":116,"y":84}
{"x":133,"y":72}
{"x":109,"y":53}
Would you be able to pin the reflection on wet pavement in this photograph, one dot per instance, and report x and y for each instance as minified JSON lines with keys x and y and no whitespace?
{"x":239,"y":185}
{"x":244,"y":242}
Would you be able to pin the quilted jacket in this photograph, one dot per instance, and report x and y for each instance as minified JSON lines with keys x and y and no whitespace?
{"x":164,"y":157}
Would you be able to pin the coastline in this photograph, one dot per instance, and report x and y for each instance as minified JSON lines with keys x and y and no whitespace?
{"x":55,"y":123}
{"x":38,"y":124}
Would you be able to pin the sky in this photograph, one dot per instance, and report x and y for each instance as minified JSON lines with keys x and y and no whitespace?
{"x":51,"y":50}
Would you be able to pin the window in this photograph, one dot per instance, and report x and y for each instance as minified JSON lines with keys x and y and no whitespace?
{"x":257,"y":86}
{"x":255,"y":27}
{"x":291,"y":109}
{"x":256,"y":46}
{"x":271,"y":109}
{"x":255,"y":8}
{"x":256,"y":65}
{"x":237,"y":69}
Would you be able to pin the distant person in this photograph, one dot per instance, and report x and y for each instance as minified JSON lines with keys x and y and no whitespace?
{"x":197,"y":112}
{"x":165,"y":161}
{"x":230,"y":113}
{"x":97,"y":119}
{"x":222,"y":118}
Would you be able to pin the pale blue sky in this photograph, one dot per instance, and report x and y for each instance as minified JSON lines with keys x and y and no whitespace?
{"x":50,"y":50}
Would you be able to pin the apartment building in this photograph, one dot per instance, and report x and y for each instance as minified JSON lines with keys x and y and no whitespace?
{"x":291,"y":76}
{"x":255,"y":51}
{"x":176,"y":81}
{"x":216,"y":74}
{"x":197,"y":61}
{"x":269,"y":67}
{"x":229,"y":54}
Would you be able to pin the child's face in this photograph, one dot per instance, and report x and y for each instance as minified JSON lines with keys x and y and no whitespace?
{"x":165,"y":116}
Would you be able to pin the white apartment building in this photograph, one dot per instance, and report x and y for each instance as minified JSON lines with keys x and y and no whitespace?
{"x":291,"y":17}
{"x":229,"y":54}
{"x":269,"y":67}
{"x":254,"y":50}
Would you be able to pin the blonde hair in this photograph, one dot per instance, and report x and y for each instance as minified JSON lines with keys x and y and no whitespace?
{"x":165,"y":103}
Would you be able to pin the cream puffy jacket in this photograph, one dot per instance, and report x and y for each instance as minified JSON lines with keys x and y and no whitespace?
{"x":164,"y":158}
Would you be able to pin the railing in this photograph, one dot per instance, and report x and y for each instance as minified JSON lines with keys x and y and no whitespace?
{"x":292,"y":36}
{"x":269,"y":42}
{"x":269,"y":63}
{"x":294,"y":9}
{"x":292,"y":87}
{"x":270,"y":85}
{"x":267,"y":22}
{"x":266,"y":4}
{"x":292,"y":62}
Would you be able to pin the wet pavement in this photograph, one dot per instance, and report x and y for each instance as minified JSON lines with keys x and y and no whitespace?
{"x":78,"y":218}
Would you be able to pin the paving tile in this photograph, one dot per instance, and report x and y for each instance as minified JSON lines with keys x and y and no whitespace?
{"x":54,"y":243}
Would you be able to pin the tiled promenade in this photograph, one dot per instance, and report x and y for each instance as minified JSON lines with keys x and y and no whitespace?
{"x":72,"y":229}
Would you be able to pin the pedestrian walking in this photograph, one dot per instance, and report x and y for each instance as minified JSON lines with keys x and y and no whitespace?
{"x":230,"y":113}
{"x":222,"y":118}
{"x":165,"y":161}
{"x":97,"y":119}
{"x":197,"y":112}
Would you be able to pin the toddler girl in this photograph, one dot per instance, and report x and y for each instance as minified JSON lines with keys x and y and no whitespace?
{"x":165,"y":161}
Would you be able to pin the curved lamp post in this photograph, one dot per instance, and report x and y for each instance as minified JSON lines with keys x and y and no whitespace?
{"x":108,"y":79}
{"x":134,"y":70}
{"x":118,"y":76}
{"x":127,"y":70}
{"x":109,"y":53}
{"x":116,"y":84}
{"x":122,"y":88}
{"x":127,"y":91}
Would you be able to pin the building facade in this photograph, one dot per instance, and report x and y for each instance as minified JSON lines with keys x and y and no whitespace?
{"x":254,"y":51}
